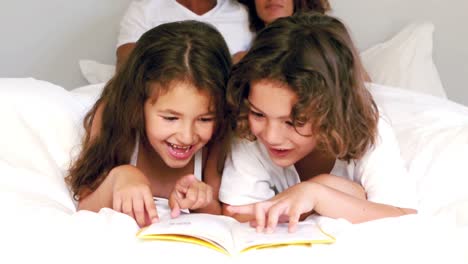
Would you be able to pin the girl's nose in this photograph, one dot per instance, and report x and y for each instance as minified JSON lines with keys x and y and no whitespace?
{"x":272,"y":134}
{"x":186,"y":135}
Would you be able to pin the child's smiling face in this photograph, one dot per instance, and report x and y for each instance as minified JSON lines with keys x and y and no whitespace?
{"x":270,"y":121}
{"x":179,"y":122}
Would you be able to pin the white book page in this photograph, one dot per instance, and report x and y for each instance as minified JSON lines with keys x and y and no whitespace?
{"x":307,"y":231}
{"x":213,"y":228}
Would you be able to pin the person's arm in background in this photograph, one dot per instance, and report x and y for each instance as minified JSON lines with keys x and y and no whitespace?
{"x":133,"y":24}
{"x":238,"y":56}
{"x":367,"y":77}
{"x":122,"y":54}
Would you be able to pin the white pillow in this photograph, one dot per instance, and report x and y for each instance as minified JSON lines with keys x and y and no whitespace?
{"x":87,"y":95}
{"x":406,"y":61}
{"x":95,"y":72}
{"x":433,"y":136}
{"x":41,"y":129}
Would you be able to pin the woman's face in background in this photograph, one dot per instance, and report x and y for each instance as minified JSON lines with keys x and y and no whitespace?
{"x":270,"y":10}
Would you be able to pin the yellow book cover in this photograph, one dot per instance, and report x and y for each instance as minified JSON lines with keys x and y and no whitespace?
{"x":229,"y":236}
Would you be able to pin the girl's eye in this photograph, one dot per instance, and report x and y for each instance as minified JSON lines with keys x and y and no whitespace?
{"x":256,"y":114}
{"x":170,"y":118}
{"x":207,"y":119}
{"x":295,"y":124}
{"x":300,"y":124}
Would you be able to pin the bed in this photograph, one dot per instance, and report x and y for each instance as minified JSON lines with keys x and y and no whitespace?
{"x":41,"y":132}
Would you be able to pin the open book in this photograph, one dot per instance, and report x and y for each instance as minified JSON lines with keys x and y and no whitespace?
{"x":229,"y":236}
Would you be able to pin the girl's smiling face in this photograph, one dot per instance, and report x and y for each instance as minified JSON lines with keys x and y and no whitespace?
{"x":179,"y":123}
{"x":271,"y":103}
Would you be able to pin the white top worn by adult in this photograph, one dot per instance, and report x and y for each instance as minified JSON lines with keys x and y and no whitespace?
{"x":250,"y":176}
{"x":228,"y":16}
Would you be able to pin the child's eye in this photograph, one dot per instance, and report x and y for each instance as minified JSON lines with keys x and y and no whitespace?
{"x":295,"y":124}
{"x":256,"y":114}
{"x":207,"y":119}
{"x":300,"y":124}
{"x":170,"y":118}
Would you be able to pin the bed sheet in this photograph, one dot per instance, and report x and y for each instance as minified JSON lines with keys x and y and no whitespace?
{"x":39,"y":232}
{"x":41,"y":130}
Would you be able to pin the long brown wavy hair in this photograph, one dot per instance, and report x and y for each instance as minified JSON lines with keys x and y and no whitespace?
{"x":256,"y":24}
{"x":188,"y":51}
{"x":313,"y":55}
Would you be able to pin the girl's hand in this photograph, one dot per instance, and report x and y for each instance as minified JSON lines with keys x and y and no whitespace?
{"x":132,"y":195}
{"x":287,"y":206}
{"x":189,"y":193}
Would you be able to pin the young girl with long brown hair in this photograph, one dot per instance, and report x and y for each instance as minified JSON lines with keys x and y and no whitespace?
{"x":155,"y":125}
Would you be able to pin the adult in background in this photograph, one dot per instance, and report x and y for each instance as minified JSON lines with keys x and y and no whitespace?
{"x":263,"y":12}
{"x":228,"y":16}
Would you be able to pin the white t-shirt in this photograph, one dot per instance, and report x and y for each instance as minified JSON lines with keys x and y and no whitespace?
{"x":228,"y":16}
{"x":250,"y":176}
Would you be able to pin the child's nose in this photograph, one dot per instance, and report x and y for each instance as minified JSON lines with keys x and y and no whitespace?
{"x":187,"y":135}
{"x":272,"y":134}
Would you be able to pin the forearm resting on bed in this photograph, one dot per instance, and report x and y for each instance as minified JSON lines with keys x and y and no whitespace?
{"x":341,"y":184}
{"x":100,"y":198}
{"x":336,"y":204}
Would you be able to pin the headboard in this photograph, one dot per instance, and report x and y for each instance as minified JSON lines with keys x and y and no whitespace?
{"x":46,"y":39}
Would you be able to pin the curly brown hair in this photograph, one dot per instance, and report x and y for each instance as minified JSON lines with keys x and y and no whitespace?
{"x":313,"y":55}
{"x":188,"y":51}
{"x":256,"y":24}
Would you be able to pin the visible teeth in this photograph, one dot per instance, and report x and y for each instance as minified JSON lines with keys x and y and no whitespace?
{"x":180,"y":147}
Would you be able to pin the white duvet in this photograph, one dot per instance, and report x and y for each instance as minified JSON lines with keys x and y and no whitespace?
{"x":41,"y":130}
